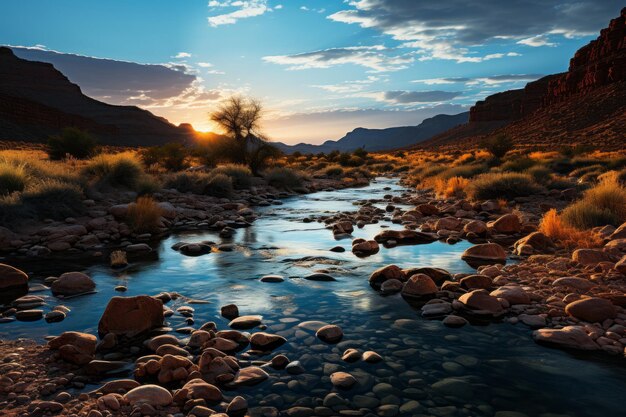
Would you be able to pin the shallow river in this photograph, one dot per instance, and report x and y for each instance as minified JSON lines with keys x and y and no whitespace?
{"x":472,"y":371}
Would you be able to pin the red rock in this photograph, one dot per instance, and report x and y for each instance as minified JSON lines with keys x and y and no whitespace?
{"x":508,"y":224}
{"x":593,"y":310}
{"x":476,"y":281}
{"x":130,"y":316}
{"x":590,"y":256}
{"x":571,"y":337}
{"x":485,"y":253}
{"x":386,"y":273}
{"x":72,"y":283}
{"x":481,"y":300}
{"x":13,"y":283}
{"x":419,"y":285}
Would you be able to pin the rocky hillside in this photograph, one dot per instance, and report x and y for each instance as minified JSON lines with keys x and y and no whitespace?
{"x":36,"y":101}
{"x":383,"y":139}
{"x":586,"y":104}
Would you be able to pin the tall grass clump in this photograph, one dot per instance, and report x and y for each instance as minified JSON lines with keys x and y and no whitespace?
{"x":601,"y":205}
{"x":502,"y":185}
{"x":284,"y":178}
{"x":218,"y":185}
{"x":333,"y":171}
{"x":12,"y":178}
{"x":144,"y":216}
{"x":73,"y":142}
{"x":240,"y":175}
{"x":554,"y":226}
{"x":119,"y":170}
{"x":53,"y":199}
{"x":451,"y":187}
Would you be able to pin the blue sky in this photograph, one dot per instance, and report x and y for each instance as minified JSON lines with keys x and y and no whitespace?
{"x":321,"y":67}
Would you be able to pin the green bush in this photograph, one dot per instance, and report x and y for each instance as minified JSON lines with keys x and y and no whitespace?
{"x":540,"y":174}
{"x":284,"y":178}
{"x":218,"y":185}
{"x":498,"y":146}
{"x":72,"y":141}
{"x":502,"y":185}
{"x":240,"y":175}
{"x":171,"y":156}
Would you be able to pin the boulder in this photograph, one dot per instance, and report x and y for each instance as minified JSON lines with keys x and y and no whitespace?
{"x":245,"y":322}
{"x":330,"y":333}
{"x":512,"y":294}
{"x":386,"y":273}
{"x":620,"y":233}
{"x":419,"y":286}
{"x":266,"y":341}
{"x":448,"y":223}
{"x":569,"y":337}
{"x":369,"y":247}
{"x":13,"y":283}
{"x":405,"y":237}
{"x":574,"y":283}
{"x":482,"y":301}
{"x":198,"y":389}
{"x":75,"y":347}
{"x":153,"y":395}
{"x":72,"y":283}
{"x":590,"y":256}
{"x":534,"y":243}
{"x":342,"y":380}
{"x":250,"y":375}
{"x":131,"y":316}
{"x":476,"y":281}
{"x":593,"y":310}
{"x":484,"y":254}
{"x":439,"y":275}
{"x":507,"y":224}
{"x":477,"y":227}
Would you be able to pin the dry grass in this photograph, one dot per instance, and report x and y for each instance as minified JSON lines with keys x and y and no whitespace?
{"x":451,"y":187}
{"x":144,"y":215}
{"x":553,"y":226}
{"x":601,"y":205}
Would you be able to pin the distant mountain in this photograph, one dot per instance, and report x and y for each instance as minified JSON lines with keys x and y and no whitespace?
{"x":383,"y":139}
{"x":36,"y":101}
{"x":586,"y":104}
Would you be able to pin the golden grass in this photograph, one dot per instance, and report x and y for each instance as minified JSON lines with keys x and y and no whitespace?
{"x":451,"y":187}
{"x":144,"y":215}
{"x":553,"y":226}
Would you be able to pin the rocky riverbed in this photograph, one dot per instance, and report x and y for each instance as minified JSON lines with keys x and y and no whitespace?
{"x":280,"y":318}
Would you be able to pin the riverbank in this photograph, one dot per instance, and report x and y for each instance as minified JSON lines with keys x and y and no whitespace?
{"x":426,"y":368}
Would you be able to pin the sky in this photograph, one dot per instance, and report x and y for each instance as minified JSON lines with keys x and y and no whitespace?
{"x":320,"y":67}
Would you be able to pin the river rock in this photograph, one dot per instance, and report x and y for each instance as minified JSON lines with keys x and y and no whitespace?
{"x":367,"y":248}
{"x":330,"y":333}
{"x":131,"y":316}
{"x":534,"y":243}
{"x":571,"y":337}
{"x":198,"y":389}
{"x":418,"y":286}
{"x":485,"y":253}
{"x":246,"y":322}
{"x":251,"y":375}
{"x":405,"y":237}
{"x":481,"y":300}
{"x":575,"y":283}
{"x":477,"y":227}
{"x":153,"y":395}
{"x":507,"y":224}
{"x":72,"y":283}
{"x":476,"y":281}
{"x":513,"y":294}
{"x":266,"y":341}
{"x":238,"y":406}
{"x":386,"y":273}
{"x":342,"y":380}
{"x":590,"y":256}
{"x":593,"y":310}
{"x":391,"y":286}
{"x":13,"y":283}
{"x":75,"y":347}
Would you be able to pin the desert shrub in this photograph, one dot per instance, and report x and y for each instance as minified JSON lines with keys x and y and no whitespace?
{"x":584,"y":215}
{"x":553,"y":226}
{"x":360,"y":152}
{"x":463,"y":171}
{"x":451,"y":187}
{"x":601,"y":205}
{"x":282,"y":177}
{"x":575,"y":150}
{"x":240,"y":175}
{"x":540,"y":174}
{"x":147,"y":185}
{"x":517,"y":164}
{"x":120,"y":170}
{"x":12,"y":178}
{"x":588,"y":171}
{"x":498,"y":146}
{"x":260,"y":155}
{"x":333,"y":171}
{"x":218,"y":185}
{"x":144,"y":216}
{"x":401,"y":168}
{"x":502,"y":185}
{"x":171,"y":156}
{"x":185,"y":182}
{"x":53,"y":199}
{"x":72,"y":141}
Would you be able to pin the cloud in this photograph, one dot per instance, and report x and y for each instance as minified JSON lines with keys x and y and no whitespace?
{"x":539,"y":40}
{"x":449,"y":30}
{"x":490,"y":80}
{"x":182,"y":55}
{"x":349,"y":86}
{"x":242,"y":10}
{"x":374,"y":57}
{"x":412,"y":97}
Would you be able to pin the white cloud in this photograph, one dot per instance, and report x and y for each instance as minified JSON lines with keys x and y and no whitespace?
{"x":536,"y":41}
{"x":205,"y":64}
{"x":487,"y":81}
{"x":376,"y":58}
{"x":182,"y":55}
{"x":242,"y":10}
